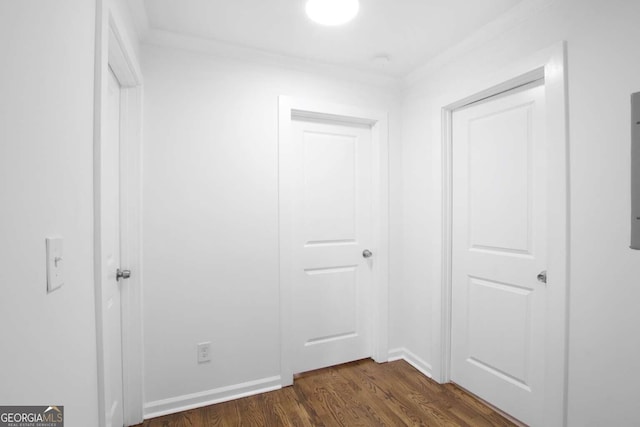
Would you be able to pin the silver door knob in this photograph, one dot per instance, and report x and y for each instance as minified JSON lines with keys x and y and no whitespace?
{"x":542,"y":277}
{"x":122,"y":274}
{"x":367,"y":253}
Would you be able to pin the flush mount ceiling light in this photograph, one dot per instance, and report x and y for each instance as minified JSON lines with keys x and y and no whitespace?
{"x":332,"y":12}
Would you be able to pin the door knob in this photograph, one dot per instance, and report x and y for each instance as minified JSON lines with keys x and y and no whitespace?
{"x":542,"y":277}
{"x":367,"y":253}
{"x":122,"y":274}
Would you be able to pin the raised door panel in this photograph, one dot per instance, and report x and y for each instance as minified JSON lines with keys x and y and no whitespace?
{"x":329,"y":188}
{"x":499,"y":191}
{"x":500,"y":329}
{"x":333,"y":289}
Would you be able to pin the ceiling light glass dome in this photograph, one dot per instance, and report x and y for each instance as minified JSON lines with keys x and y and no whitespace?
{"x":332,"y":12}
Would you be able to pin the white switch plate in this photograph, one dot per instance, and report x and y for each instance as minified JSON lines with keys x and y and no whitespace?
{"x":55,"y":264}
{"x":204,"y":352}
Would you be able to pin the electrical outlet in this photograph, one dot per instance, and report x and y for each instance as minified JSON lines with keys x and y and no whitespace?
{"x":204,"y":352}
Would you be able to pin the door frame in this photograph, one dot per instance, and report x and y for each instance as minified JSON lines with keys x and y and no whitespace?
{"x":295,"y":108}
{"x":114,"y":50}
{"x":549,"y":65}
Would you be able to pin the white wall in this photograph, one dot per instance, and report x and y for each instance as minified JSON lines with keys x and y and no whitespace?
{"x":211,"y":214}
{"x":604,"y":68}
{"x":48,"y":345}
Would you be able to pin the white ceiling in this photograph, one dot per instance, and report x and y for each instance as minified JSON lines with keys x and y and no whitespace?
{"x":409,"y":32}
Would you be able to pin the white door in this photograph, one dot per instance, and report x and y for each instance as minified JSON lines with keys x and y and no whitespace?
{"x":332,"y":229}
{"x":110,"y":247}
{"x":499,"y":248}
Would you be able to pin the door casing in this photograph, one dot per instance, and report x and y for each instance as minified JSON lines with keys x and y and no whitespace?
{"x":290,"y":109}
{"x":114,"y":50}
{"x":550,"y":65}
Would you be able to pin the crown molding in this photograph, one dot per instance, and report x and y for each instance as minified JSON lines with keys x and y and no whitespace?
{"x":494,"y":29}
{"x":168,"y":39}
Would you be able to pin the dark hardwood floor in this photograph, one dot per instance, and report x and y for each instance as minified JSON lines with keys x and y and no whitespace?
{"x":361,"y":393}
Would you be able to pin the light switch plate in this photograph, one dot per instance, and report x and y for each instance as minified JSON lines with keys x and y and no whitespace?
{"x":55,"y":264}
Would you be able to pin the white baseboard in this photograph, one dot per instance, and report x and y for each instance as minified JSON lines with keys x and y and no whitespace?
{"x":186,"y":402}
{"x":411,"y":358}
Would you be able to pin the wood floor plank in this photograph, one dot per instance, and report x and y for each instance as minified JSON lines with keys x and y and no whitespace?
{"x":361,"y":393}
{"x":289,"y":411}
{"x":397,"y":395}
{"x":376,"y":399}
